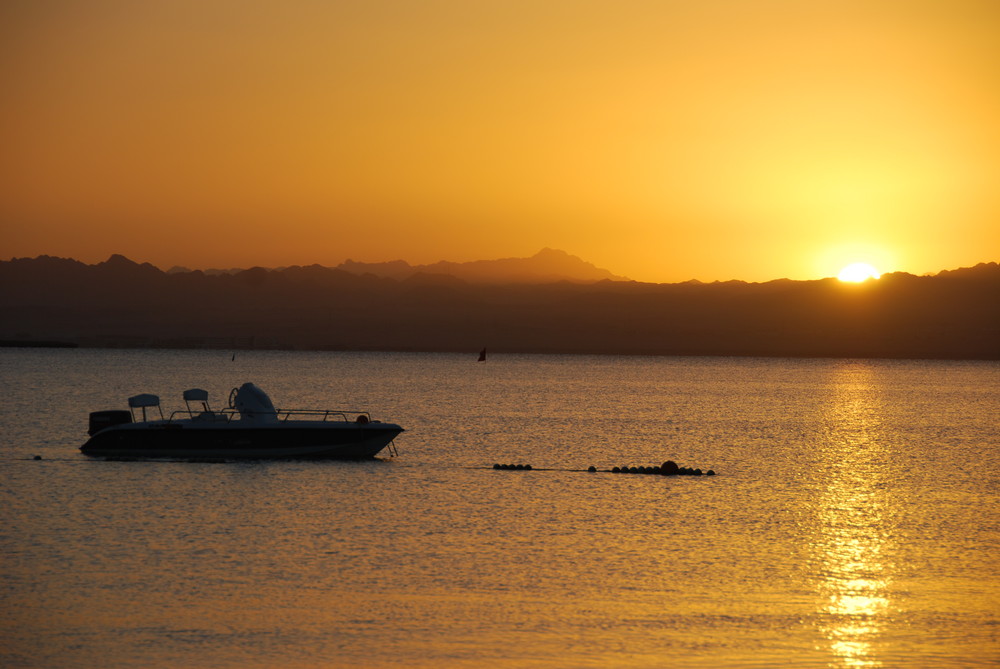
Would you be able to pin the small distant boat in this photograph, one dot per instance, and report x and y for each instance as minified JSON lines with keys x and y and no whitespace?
{"x":249,"y":428}
{"x":482,"y":355}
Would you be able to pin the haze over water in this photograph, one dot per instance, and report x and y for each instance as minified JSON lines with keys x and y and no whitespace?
{"x":852,"y":522}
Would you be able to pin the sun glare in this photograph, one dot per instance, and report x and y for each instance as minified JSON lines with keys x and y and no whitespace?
{"x":858,"y":272}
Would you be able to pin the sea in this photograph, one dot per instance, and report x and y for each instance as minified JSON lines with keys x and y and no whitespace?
{"x":852,"y":520}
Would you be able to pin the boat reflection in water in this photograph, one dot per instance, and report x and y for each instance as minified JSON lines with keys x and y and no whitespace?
{"x":249,"y":428}
{"x":853,"y":523}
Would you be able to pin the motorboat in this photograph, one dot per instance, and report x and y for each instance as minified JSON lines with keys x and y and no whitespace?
{"x":249,"y":428}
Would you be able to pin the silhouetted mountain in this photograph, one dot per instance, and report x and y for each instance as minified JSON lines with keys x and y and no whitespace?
{"x":396,"y":269}
{"x":546,"y":266}
{"x":178,"y":269}
{"x":954,"y":314}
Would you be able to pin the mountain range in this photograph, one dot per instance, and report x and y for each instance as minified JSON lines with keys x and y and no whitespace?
{"x":546,"y":266}
{"x":953,"y":314}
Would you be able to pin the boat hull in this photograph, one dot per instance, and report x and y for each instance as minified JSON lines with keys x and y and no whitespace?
{"x":322,"y":441}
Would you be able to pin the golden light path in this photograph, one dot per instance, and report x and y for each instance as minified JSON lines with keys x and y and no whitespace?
{"x":852,"y":515}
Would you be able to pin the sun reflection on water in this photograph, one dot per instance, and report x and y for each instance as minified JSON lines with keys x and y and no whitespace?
{"x":852,"y":520}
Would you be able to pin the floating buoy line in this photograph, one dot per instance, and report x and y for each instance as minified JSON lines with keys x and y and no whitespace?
{"x":668,"y":468}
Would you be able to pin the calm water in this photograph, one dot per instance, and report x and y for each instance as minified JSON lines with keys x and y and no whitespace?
{"x":853,"y":522}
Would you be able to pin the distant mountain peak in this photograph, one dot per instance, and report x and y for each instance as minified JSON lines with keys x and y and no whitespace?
{"x":548,"y":252}
{"x":119,"y":263}
{"x":547,"y":266}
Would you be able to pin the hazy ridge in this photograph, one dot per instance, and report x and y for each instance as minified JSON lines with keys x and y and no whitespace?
{"x":544,"y":267}
{"x":954,"y":314}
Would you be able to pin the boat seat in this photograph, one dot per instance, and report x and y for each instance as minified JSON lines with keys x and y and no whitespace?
{"x":143,"y":400}
{"x":197,"y":395}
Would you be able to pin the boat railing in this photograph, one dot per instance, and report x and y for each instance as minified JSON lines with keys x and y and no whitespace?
{"x":199,"y":415}
{"x":229,"y":415}
{"x":327,"y":414}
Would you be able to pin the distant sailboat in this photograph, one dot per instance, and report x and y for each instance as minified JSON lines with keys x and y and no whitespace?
{"x":482,"y":355}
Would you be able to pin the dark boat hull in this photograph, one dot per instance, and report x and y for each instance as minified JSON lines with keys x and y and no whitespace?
{"x":326,"y":441}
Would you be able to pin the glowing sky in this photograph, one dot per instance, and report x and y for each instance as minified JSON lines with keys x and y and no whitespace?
{"x":663,"y":140}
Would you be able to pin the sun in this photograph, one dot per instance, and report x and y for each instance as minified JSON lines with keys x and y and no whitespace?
{"x":858,"y":272}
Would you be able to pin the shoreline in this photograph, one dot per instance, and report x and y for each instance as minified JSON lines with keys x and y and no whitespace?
{"x":496,"y":351}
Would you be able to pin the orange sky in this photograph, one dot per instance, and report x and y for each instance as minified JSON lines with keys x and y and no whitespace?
{"x":663,"y":140}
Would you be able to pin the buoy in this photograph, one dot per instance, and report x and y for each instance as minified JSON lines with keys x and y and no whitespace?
{"x":616,"y":470}
{"x":697,"y":472}
{"x":38,"y":457}
{"x":496,"y":466}
{"x":710,"y":472}
{"x":591,"y":468}
{"x":669,"y":468}
{"x":527,"y":468}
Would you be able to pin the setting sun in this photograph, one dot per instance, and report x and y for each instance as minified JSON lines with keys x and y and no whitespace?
{"x":736,"y":140}
{"x":858,"y":272}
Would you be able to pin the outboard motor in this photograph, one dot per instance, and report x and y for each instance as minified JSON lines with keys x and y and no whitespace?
{"x":103,"y":419}
{"x":253,"y":404}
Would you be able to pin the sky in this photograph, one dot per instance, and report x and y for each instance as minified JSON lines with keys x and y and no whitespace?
{"x":662,"y":140}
